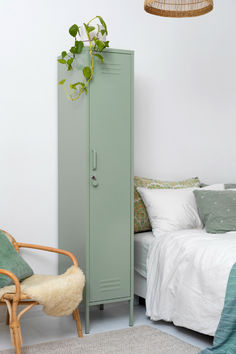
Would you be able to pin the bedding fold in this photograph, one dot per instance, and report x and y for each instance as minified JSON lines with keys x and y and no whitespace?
{"x":187,"y":275}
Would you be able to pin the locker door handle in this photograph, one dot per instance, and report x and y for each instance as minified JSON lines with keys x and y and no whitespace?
{"x":94,"y":181}
{"x":94,"y":160}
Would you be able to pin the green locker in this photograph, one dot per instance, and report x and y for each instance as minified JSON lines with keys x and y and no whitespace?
{"x":95,"y":157}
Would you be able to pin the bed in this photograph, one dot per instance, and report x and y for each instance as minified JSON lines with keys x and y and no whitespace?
{"x":176,"y":273}
{"x":142,"y":242}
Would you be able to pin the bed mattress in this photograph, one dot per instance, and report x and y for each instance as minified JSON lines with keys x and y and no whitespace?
{"x":142,"y":241}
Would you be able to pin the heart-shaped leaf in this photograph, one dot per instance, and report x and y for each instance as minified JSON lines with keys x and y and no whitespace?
{"x":73,"y":30}
{"x":62,"y":82}
{"x":106,"y":44}
{"x":62,"y":61}
{"x":63,"y":54}
{"x":87,"y":72}
{"x":70,"y":61}
{"x":100,"y":57}
{"x":99,"y":44}
{"x":103,"y":23}
{"x":78,"y":83}
{"x":90,"y":28}
{"x":73,"y":86}
{"x":79,"y":45}
{"x":73,"y":50}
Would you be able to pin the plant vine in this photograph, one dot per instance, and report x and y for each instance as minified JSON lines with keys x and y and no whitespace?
{"x":96,"y":46}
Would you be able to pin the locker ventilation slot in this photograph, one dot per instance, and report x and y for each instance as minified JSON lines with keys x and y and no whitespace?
{"x":113,"y":69}
{"x":109,"y":284}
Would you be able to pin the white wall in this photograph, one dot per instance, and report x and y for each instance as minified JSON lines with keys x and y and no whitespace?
{"x":185,"y":101}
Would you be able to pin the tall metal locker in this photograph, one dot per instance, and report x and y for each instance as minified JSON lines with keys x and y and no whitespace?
{"x":95,"y":151}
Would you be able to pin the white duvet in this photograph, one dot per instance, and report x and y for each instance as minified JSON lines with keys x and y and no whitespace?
{"x":187,"y":274}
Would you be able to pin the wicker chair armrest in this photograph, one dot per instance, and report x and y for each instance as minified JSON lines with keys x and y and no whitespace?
{"x":49,"y":249}
{"x":15,"y":280}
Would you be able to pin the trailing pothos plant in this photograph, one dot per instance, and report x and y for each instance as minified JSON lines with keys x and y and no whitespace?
{"x":95,"y":38}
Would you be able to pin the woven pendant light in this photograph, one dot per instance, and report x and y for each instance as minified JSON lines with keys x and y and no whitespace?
{"x":178,"y":8}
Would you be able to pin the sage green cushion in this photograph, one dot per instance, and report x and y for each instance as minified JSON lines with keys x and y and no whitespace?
{"x":141,"y":219}
{"x":217,"y":210}
{"x":12,"y":261}
{"x":230,"y":186}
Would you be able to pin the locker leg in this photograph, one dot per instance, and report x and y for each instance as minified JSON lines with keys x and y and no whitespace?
{"x":131,"y":312}
{"x":101,"y":307}
{"x":87,"y":325}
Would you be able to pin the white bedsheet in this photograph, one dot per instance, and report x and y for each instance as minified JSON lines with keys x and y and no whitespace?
{"x":187,"y":274}
{"x":142,"y":242}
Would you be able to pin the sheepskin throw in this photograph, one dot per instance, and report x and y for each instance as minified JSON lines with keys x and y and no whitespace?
{"x":59,"y":294}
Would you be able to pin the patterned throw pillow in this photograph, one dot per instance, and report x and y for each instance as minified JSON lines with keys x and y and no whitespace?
{"x":141,"y":220}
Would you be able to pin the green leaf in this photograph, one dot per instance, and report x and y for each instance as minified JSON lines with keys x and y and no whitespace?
{"x":62,"y":82}
{"x":69,"y":64}
{"x":103,"y":32}
{"x":106,"y":44}
{"x":70,"y":61}
{"x":79,"y":46}
{"x":99,"y":44}
{"x":73,"y":87}
{"x":63,"y":54}
{"x":90,"y":28}
{"x":73,"y":30}
{"x":62,"y":61}
{"x":73,"y":50}
{"x":78,"y":83}
{"x":100,"y":57}
{"x":87,"y":72}
{"x":103,"y":24}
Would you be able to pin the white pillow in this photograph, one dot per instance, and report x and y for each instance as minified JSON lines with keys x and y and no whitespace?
{"x":173,"y":209}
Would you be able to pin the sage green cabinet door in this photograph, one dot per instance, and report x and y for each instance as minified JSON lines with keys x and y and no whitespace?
{"x":110,"y":193}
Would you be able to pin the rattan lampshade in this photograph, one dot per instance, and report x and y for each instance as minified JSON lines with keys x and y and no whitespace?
{"x":178,"y":8}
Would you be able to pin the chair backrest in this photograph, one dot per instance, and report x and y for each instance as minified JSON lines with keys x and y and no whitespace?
{"x":11,"y":239}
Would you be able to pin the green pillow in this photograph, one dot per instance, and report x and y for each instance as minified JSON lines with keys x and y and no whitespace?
{"x":217,"y":210}
{"x":12,"y":261}
{"x":227,"y":185}
{"x":230,"y":186}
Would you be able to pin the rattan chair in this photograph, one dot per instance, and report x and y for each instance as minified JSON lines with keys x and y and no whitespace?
{"x":12,"y":301}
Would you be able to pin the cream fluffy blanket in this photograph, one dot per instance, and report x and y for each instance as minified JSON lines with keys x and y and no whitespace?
{"x":59,"y":294}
